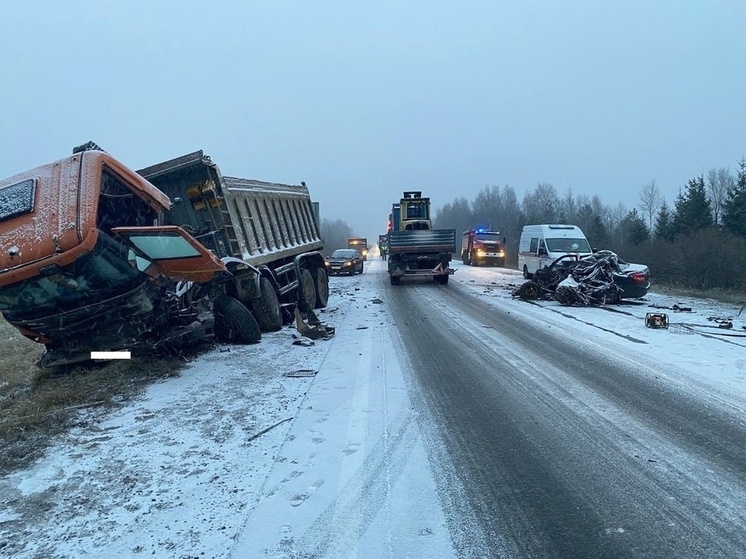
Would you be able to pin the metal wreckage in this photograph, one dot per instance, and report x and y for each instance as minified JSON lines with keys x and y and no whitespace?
{"x":598,"y":279}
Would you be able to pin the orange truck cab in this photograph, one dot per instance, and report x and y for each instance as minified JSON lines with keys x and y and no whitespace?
{"x":86,"y":264}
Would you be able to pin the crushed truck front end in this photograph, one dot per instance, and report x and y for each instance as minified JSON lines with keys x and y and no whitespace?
{"x":66,"y":279}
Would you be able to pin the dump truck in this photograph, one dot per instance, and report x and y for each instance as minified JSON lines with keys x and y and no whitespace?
{"x":482,"y":246}
{"x":359,"y":243}
{"x":95,"y":258}
{"x":415,"y":249}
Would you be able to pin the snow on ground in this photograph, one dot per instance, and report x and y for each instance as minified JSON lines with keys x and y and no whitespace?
{"x":230,"y":458}
{"x":693,"y":346}
{"x":235,"y":459}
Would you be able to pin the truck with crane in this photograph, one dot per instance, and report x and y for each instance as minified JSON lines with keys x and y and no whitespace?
{"x":414,"y":248}
{"x":95,"y":257}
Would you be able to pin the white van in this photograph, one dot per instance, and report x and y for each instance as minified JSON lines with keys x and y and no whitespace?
{"x":541,"y":245}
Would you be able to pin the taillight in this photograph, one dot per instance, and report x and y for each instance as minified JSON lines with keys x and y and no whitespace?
{"x":639,"y":277}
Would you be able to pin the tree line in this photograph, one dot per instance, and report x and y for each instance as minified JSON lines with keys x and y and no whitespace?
{"x":699,"y":242}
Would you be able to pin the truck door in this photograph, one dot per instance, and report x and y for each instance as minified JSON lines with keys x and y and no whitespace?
{"x":172,"y":252}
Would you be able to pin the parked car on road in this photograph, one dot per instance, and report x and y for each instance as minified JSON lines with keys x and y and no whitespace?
{"x":345,"y":261}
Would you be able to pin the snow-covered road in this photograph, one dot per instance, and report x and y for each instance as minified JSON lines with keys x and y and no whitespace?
{"x":360,"y":459}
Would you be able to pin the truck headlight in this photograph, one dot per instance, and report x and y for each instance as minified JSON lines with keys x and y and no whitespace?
{"x":501,"y":253}
{"x":480,"y":252}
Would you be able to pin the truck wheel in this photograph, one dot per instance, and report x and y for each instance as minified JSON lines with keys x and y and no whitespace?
{"x":463,"y":257}
{"x":267,"y":307}
{"x":234,"y":323}
{"x":306,"y":291}
{"x":322,"y":288}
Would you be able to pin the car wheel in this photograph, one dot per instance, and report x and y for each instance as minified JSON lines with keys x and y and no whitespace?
{"x":612,"y":295}
{"x":529,"y":291}
{"x":234,"y":323}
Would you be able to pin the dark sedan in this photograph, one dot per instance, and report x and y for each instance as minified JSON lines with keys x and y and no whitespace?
{"x":604,"y":272}
{"x":599,"y":278}
{"x":345,"y":261}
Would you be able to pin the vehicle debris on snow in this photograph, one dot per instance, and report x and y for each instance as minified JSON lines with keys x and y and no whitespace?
{"x":597,"y":279}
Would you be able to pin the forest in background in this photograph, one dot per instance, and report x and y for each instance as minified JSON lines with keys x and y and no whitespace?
{"x":697,"y":243}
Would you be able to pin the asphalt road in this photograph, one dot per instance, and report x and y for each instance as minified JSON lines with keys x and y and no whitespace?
{"x":561,"y":449}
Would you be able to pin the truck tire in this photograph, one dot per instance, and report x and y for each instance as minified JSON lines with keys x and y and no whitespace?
{"x":234,"y":323}
{"x":322,"y":288}
{"x":266,"y":309}
{"x":306,"y":291}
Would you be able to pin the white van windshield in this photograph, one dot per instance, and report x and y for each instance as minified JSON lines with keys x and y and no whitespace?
{"x":568,"y":245}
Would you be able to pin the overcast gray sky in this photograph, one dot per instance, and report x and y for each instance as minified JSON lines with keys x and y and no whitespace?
{"x":364,"y":100}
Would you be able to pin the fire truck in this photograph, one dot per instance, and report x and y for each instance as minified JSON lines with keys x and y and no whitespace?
{"x":482,"y":246}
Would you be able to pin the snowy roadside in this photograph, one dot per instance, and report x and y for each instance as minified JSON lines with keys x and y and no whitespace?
{"x":229,"y":459}
{"x":694,"y":348}
{"x":235,"y":459}
{"x":172,"y":474}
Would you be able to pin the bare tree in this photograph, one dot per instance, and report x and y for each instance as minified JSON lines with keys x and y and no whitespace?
{"x":650,"y":202}
{"x":719,"y":182}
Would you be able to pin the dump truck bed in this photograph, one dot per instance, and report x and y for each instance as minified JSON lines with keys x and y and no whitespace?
{"x":259,"y":222}
{"x":422,"y":242}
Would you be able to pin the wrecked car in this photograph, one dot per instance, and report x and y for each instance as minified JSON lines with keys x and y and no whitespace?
{"x":597,"y":279}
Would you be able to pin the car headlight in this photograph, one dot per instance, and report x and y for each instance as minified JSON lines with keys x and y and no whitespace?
{"x":328,"y":263}
{"x":348,"y":263}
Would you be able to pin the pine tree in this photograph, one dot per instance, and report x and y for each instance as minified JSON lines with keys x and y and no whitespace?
{"x":633,"y":228}
{"x":693,"y":209}
{"x":664,"y":224}
{"x":734,"y":208}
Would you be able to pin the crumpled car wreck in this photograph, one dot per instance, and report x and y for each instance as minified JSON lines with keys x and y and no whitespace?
{"x":598,"y":279}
